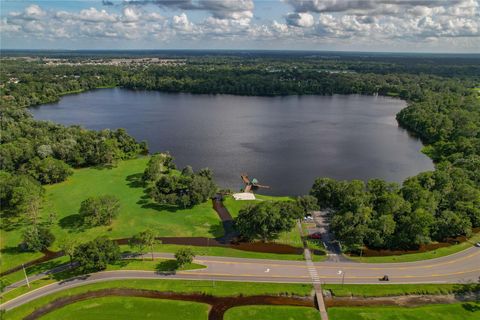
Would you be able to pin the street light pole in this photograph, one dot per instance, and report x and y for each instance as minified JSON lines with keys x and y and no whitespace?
{"x":341,"y":272}
{"x":26,"y":277}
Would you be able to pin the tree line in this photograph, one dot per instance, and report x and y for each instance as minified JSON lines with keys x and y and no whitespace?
{"x":443,"y":110}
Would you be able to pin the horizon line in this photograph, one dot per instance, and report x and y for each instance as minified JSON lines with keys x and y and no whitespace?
{"x":251,"y":50}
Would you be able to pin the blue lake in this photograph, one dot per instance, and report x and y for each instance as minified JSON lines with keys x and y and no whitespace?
{"x":284,"y":142}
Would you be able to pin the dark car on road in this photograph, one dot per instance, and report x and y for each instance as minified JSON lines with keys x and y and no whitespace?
{"x":316,"y":235}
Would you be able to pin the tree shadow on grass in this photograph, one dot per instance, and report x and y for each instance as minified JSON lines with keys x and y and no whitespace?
{"x":145,"y":199}
{"x":12,"y":250}
{"x":70,"y":275}
{"x":45,"y":266}
{"x":73,"y":222}
{"x":105,"y":166}
{"x":135,"y":180}
{"x":166,"y":266}
{"x":218,"y":230}
{"x":159,"y":207}
{"x":121,"y":263}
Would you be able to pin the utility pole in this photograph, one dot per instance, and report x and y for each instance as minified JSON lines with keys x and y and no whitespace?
{"x":26,"y":277}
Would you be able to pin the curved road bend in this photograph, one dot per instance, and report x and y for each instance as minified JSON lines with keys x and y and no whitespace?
{"x":456,"y":268}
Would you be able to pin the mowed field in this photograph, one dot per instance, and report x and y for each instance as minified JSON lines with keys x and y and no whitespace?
{"x":123,"y":308}
{"x":137,"y":211}
{"x":131,"y":308}
{"x":457,"y":311}
{"x":272,"y":313}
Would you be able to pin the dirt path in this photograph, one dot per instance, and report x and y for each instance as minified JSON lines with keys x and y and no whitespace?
{"x":227,"y":221}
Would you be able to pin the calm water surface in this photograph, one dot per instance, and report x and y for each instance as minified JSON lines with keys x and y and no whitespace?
{"x":285,"y":142}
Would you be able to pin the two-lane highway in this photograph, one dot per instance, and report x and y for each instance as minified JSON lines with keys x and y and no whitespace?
{"x":457,"y":268}
{"x":460,"y":267}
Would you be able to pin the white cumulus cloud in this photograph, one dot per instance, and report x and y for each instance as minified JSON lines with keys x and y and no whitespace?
{"x":300,"y":19}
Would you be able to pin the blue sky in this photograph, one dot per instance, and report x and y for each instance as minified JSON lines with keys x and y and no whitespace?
{"x":354,"y":25}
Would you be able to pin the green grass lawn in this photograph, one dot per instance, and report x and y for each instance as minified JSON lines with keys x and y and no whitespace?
{"x":222,"y":252}
{"x":380,"y":290}
{"x":234,"y":206}
{"x":152,"y":265}
{"x":272,"y":313}
{"x":33,"y":270}
{"x":137,"y":211}
{"x":130,"y":308}
{"x":437,"y":253}
{"x":217,"y":288}
{"x":10,"y":255}
{"x":458,"y":311}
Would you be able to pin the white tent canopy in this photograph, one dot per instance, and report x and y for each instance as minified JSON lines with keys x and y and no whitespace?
{"x":244,"y":196}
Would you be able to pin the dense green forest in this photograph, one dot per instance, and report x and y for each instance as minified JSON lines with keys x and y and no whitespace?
{"x":443,"y":110}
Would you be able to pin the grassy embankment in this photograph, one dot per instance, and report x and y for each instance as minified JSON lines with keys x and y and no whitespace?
{"x":130,"y":308}
{"x":220,"y":288}
{"x":216,"y":288}
{"x":437,"y":253}
{"x":464,"y":311}
{"x":457,"y":311}
{"x":382,"y":290}
{"x":272,"y":313}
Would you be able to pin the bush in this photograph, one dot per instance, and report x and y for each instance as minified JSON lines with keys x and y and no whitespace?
{"x":96,"y":254}
{"x":159,"y":164}
{"x":186,"y":190}
{"x":18,"y":191}
{"x":100,"y":210}
{"x":266,"y":220}
{"x":49,"y":170}
{"x":37,"y":238}
{"x":184,"y":256}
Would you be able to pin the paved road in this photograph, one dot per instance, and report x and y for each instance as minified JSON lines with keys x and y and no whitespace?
{"x":457,"y":268}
